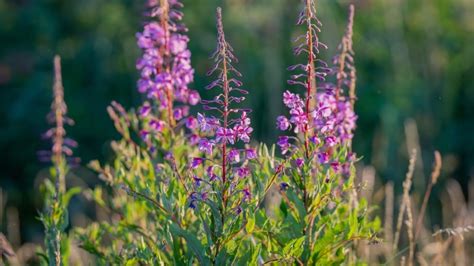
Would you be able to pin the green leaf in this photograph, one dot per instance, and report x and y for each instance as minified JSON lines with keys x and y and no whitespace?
{"x":250,"y":225}
{"x":294,"y":248}
{"x":69,"y":194}
{"x":193,"y":243}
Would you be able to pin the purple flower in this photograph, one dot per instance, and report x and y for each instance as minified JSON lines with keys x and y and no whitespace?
{"x":331,"y":141}
{"x":210,"y":173}
{"x":206,"y":146}
{"x":145,"y":110}
{"x":196,"y":162}
{"x":165,"y":64}
{"x":284,"y":144}
{"x":157,"y":125}
{"x":234,"y":156}
{"x":247,"y":194}
{"x":250,"y":154}
{"x":191,"y":122}
{"x":336,"y":166}
{"x":283,"y":186}
{"x":194,"y":139}
{"x":292,"y":100}
{"x":299,"y":119}
{"x":243,"y":172}
{"x":193,"y":98}
{"x":282,"y":123}
{"x":144,"y":134}
{"x":197,"y":181}
{"x":207,"y":124}
{"x":315,"y":140}
{"x":323,"y":157}
{"x":225,"y":135}
{"x":178,"y":113}
{"x":243,"y":129}
{"x":299,"y":162}
{"x":238,"y":210}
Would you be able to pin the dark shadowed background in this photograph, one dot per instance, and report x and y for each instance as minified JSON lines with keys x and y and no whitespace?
{"x":415,"y":62}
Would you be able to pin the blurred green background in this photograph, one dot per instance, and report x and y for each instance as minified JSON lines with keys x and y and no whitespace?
{"x":415,"y":61}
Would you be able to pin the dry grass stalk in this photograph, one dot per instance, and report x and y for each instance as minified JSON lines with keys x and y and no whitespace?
{"x":388,"y":227}
{"x":434,"y":178}
{"x":409,"y":223}
{"x":406,"y":195}
{"x":421,"y":260}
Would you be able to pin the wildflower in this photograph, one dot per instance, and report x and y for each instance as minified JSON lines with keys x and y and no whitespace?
{"x":157,"y":125}
{"x":284,"y":144}
{"x":61,"y":145}
{"x":144,"y":110}
{"x":225,"y":135}
{"x":283,"y":186}
{"x":165,"y":65}
{"x":206,"y":146}
{"x":243,"y":172}
{"x":238,"y":210}
{"x":210,"y":173}
{"x":194,"y":139}
{"x":247,"y":195}
{"x":192,"y":204}
{"x":191,"y":122}
{"x":197,"y":181}
{"x":193,"y":98}
{"x":178,"y":113}
{"x":196,"y":162}
{"x":336,"y":166}
{"x":234,"y":156}
{"x":323,"y":157}
{"x":250,"y":154}
{"x":282,"y":123}
{"x":242,"y":129}
{"x":299,"y":162}
{"x":301,"y":109}
{"x":331,"y":141}
{"x":144,"y":134}
{"x":208,"y":124}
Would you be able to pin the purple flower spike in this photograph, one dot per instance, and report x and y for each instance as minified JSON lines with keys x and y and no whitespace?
{"x":62,"y":146}
{"x":165,"y":65}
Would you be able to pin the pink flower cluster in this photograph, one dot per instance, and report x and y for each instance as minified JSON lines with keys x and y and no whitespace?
{"x":225,"y":130}
{"x":165,"y":64}
{"x":324,"y":116}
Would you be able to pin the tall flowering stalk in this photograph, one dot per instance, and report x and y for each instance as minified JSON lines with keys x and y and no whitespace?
{"x":331,"y":119}
{"x":165,"y":65}
{"x":198,"y":196}
{"x":57,"y":197}
{"x":319,"y":175}
{"x":220,"y":135}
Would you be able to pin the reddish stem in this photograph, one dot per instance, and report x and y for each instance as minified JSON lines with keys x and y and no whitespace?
{"x":309,"y":80}
{"x":164,"y":52}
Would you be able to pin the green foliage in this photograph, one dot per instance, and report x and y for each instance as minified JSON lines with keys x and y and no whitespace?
{"x":55,"y":217}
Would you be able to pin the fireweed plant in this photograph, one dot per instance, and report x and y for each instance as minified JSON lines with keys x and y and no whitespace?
{"x":186,"y":189}
{"x":57,"y":197}
{"x":321,"y":217}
